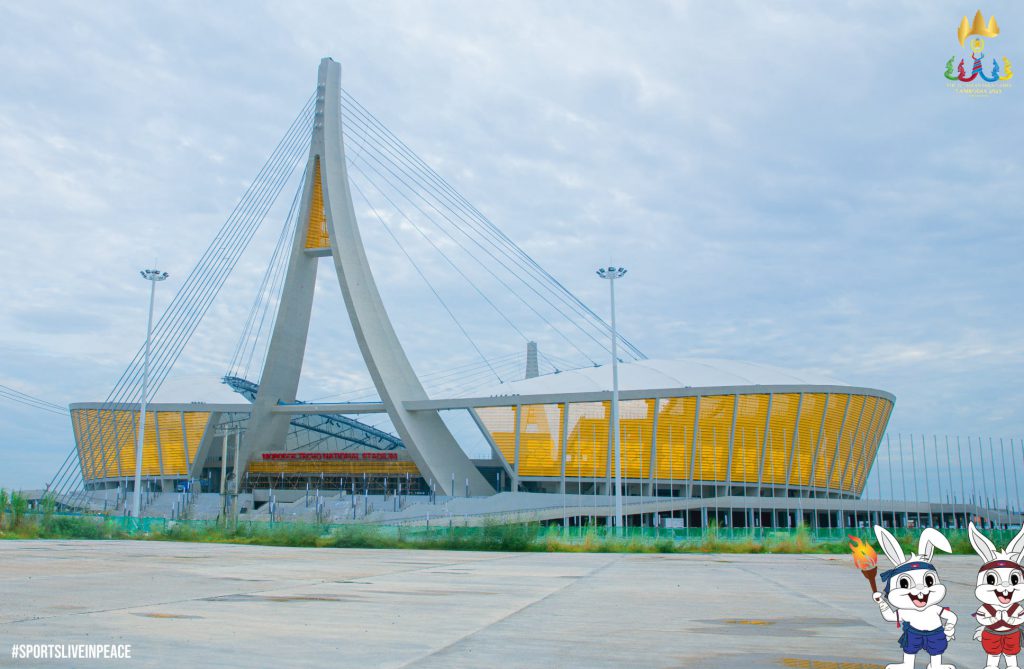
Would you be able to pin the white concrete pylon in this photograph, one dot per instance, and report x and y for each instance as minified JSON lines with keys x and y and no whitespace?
{"x":430,"y":444}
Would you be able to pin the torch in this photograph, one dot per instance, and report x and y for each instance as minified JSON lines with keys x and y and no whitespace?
{"x":866,"y":559}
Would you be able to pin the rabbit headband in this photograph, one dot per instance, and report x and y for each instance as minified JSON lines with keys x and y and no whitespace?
{"x":996,"y":564}
{"x":903,"y":568}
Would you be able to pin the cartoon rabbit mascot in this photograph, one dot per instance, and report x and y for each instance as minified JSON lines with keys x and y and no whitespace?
{"x":912,"y":596}
{"x":1000,"y":590}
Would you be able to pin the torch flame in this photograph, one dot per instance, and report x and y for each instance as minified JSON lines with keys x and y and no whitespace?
{"x":864,"y":556}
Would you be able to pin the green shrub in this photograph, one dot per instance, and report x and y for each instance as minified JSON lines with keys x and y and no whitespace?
{"x":19,"y":506}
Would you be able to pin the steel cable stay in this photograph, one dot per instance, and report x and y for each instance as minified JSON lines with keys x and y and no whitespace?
{"x":233,"y":237}
{"x":429,"y":377}
{"x":262,"y":197}
{"x":359,"y":110}
{"x":277,"y":285}
{"x":274,"y":293}
{"x":460,"y":385}
{"x":221,"y":271}
{"x":426,"y":280}
{"x":436,"y":248}
{"x":484,"y":265}
{"x":497,"y":231}
{"x":226,"y":235}
{"x":404,"y":177}
{"x":355,"y":164}
{"x":180,"y":309}
{"x":179,"y":321}
{"x":243,"y":341}
{"x":501,"y":247}
{"x":31,"y":401}
{"x":268,"y":291}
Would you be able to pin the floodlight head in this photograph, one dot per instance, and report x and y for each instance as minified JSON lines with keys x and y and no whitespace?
{"x":153,"y":275}
{"x":611,"y":272}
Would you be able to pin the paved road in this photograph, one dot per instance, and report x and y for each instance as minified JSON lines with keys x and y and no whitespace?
{"x":204,"y":605}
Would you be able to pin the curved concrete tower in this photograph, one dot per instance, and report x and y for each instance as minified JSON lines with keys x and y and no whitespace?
{"x":330,"y":229}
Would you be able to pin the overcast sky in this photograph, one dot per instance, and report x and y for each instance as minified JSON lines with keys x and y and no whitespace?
{"x":789,"y":183}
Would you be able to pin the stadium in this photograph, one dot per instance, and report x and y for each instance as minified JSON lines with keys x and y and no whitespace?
{"x":697,"y":429}
{"x":770,"y":446}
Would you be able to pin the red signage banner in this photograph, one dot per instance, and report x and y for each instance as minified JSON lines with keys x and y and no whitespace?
{"x":296,"y":455}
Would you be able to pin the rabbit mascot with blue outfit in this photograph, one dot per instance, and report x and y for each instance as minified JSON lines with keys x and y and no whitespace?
{"x":912,"y":598}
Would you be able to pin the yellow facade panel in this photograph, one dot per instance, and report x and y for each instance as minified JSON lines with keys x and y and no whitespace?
{"x":812,"y":409}
{"x":195,"y":430}
{"x":781,"y":423}
{"x":103,"y":456}
{"x":844,"y":441}
{"x":501,"y":424}
{"x":713,"y":430}
{"x":316,"y":226}
{"x":636,"y":420}
{"x":838,"y":407}
{"x":822,"y":456}
{"x":874,"y":440}
{"x":540,"y":440}
{"x":106,"y":441}
{"x":860,"y":442}
{"x":172,"y":443}
{"x":587,"y":447}
{"x":675,"y":437}
{"x":748,"y":437}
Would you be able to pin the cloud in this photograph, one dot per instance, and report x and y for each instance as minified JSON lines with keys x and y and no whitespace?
{"x":784,"y":186}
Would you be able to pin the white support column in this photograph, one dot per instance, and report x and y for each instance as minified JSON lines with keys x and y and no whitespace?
{"x":564,"y":440}
{"x":224,"y":463}
{"x":159,"y":445}
{"x":764,"y":447}
{"x":732,"y":439}
{"x":853,"y":445}
{"x":428,"y":440}
{"x":835,"y":445}
{"x":654,"y":447}
{"x":693,"y":443}
{"x":794,"y":442}
{"x":515,"y":451}
{"x":817,"y":442}
{"x":184,"y":444}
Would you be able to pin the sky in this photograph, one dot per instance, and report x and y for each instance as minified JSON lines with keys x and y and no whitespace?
{"x":791,"y":183}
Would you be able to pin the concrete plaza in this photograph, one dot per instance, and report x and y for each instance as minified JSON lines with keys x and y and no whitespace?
{"x":206,"y":605}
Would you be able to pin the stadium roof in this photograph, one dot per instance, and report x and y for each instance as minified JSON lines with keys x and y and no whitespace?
{"x":683,"y":373}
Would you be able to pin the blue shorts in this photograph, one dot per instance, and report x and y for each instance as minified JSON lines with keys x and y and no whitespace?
{"x":933,"y":641}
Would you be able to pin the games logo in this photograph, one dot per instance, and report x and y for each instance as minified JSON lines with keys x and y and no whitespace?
{"x":989,"y":74}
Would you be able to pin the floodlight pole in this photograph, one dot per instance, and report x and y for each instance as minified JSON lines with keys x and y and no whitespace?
{"x":613,"y":273}
{"x":151,"y":275}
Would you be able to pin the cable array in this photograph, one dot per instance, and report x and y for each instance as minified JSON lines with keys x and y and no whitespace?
{"x":263,"y":312}
{"x":180,"y":319}
{"x":392,"y":173}
{"x":8,"y":393}
{"x":389,"y":164}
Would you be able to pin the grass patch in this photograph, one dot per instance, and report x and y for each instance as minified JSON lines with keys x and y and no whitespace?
{"x":521,"y":537}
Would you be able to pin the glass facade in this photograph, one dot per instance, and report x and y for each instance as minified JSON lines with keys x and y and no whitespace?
{"x":824,"y":441}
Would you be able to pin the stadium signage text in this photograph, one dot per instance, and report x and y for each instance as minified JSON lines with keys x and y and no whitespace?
{"x":330,"y":456}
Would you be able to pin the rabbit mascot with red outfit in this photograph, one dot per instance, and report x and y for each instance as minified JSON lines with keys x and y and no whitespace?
{"x":1000,"y":590}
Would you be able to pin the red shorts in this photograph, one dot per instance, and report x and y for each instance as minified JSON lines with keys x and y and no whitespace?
{"x":1000,"y":644}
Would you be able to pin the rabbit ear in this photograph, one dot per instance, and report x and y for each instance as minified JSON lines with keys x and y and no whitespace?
{"x":890,"y":546}
{"x":982,"y":546}
{"x":1016,"y":544}
{"x":931,"y":539}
